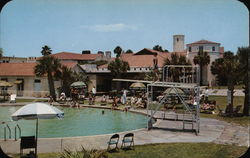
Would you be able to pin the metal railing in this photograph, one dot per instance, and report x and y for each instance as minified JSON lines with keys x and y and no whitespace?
{"x":19,"y":129}
{"x":5,"y":131}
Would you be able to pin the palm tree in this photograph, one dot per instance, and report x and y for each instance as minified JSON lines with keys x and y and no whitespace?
{"x":67,"y":77}
{"x":118,"y":51}
{"x":48,"y":65}
{"x":175,"y":72}
{"x":217,"y":68}
{"x":202,"y":59}
{"x":46,"y":50}
{"x":243,"y":54}
{"x":117,"y":68}
{"x":228,"y":67}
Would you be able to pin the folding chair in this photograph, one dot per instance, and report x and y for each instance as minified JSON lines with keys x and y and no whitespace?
{"x":27,"y":142}
{"x":128,"y":138}
{"x":113,"y":141}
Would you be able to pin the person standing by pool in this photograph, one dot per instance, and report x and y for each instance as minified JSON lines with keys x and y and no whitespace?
{"x":124,"y":96}
{"x":206,"y":95}
{"x":93,"y":94}
{"x":155,"y":67}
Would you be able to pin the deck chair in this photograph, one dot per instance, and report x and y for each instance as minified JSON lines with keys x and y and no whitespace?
{"x":129,"y":139}
{"x":12,"y":98}
{"x":3,"y":154}
{"x":27,"y":142}
{"x":114,"y":139}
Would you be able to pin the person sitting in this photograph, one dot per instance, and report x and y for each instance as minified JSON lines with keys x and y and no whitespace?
{"x":62,"y":97}
{"x":133,"y":100}
{"x":160,"y":97}
{"x":104,"y":99}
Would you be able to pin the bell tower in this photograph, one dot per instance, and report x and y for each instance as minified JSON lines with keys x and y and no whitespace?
{"x":178,"y":43}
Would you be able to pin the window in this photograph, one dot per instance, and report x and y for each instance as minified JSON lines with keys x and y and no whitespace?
{"x":177,"y":39}
{"x":37,"y":85}
{"x":201,"y":48}
{"x":213,"y":48}
{"x":134,"y":68}
{"x":140,"y":68}
{"x":190,"y":49}
{"x":20,"y":87}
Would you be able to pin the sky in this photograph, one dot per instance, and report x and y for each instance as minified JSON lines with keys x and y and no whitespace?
{"x":101,"y":25}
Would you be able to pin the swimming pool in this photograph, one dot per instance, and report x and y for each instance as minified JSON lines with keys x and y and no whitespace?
{"x":76,"y":122}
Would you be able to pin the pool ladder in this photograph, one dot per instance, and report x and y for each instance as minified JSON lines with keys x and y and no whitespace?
{"x":17,"y":127}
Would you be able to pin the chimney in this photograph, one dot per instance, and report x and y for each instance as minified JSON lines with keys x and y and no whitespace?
{"x":108,"y":54}
{"x":86,"y":52}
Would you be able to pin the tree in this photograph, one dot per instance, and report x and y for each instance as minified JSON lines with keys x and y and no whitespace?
{"x":229,"y":67}
{"x":217,"y":68}
{"x":202,"y":59}
{"x":243,"y":53}
{"x":118,"y":67}
{"x":175,"y":72}
{"x":159,"y":48}
{"x":66,"y":76}
{"x":149,"y":76}
{"x":46,"y":50}
{"x":118,"y":51}
{"x":129,"y":51}
{"x":48,"y":65}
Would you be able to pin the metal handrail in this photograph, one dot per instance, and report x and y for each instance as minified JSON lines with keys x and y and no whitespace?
{"x":5,"y":135}
{"x":19,"y":129}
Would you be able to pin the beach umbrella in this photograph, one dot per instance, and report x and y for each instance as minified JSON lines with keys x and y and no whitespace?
{"x":137,"y":85}
{"x":78,"y":84}
{"x":5,"y":84}
{"x":173,"y":91}
{"x":37,"y":111}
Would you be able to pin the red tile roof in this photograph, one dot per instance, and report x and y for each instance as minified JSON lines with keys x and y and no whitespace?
{"x":69,"y":64}
{"x":203,"y":42}
{"x":75,"y":56}
{"x":17,"y":69}
{"x":23,"y":69}
{"x":144,"y":58}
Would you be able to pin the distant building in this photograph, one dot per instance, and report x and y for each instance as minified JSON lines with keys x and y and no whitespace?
{"x":178,"y":43}
{"x":6,"y":59}
{"x":214,"y":51}
{"x":24,"y":80}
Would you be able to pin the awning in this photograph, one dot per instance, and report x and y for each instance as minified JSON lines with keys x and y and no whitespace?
{"x":18,"y":82}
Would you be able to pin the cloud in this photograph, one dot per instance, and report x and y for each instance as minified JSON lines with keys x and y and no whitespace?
{"x":111,"y":27}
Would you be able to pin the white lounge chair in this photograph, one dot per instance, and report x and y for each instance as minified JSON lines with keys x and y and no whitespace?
{"x":12,"y":98}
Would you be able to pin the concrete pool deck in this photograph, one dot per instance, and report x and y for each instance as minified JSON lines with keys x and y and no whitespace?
{"x":211,"y":130}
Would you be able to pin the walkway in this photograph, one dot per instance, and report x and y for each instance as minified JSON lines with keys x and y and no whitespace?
{"x":211,"y":130}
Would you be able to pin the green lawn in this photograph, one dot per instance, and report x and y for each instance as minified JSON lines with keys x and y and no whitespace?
{"x":173,"y":150}
{"x":222,"y":102}
{"x":225,"y":87}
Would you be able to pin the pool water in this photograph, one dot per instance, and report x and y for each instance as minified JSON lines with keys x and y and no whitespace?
{"x":76,"y":122}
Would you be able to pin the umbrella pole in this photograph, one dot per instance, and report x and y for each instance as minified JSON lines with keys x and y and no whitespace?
{"x":36,"y":135}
